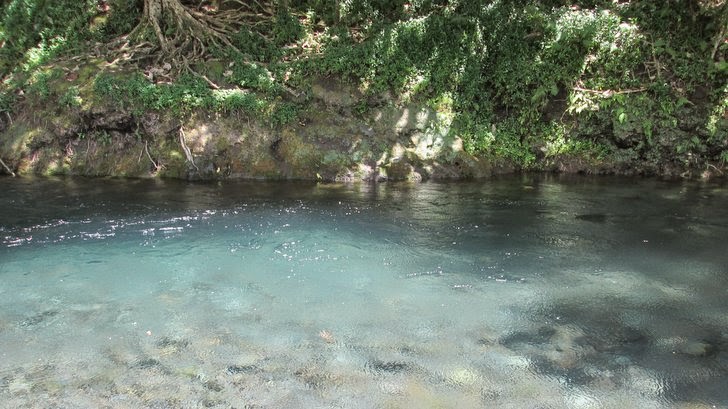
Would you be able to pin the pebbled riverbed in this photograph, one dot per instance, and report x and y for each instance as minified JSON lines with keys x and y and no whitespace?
{"x":519,"y":292}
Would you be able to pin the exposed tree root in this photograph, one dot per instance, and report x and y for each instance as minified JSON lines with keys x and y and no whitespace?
{"x":157,"y":166}
{"x":186,"y":149}
{"x":179,"y":34}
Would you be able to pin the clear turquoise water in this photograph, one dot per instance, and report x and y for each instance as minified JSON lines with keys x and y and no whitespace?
{"x":514,"y":293}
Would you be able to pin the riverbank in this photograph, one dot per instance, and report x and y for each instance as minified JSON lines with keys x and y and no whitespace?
{"x":409,"y":91}
{"x":329,"y":141}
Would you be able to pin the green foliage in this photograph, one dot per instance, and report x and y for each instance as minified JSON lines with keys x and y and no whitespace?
{"x":631,"y":79}
{"x":254,"y":77}
{"x":286,"y":29}
{"x":254,"y":46}
{"x":506,"y":67}
{"x":479,"y":59}
{"x":180,"y":97}
{"x":724,"y":156}
{"x":231,"y":101}
{"x":109,"y":86}
{"x":122,"y":18}
{"x":190,"y":93}
{"x":377,"y":10}
{"x":39,"y":84}
{"x":71,"y":98}
{"x":103,"y":137}
{"x":33,"y":35}
{"x":7,"y":100}
{"x":33,"y":32}
{"x":586,"y":148}
{"x":282,"y":113}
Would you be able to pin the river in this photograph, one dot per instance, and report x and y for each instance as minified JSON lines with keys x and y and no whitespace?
{"x":516,"y":292}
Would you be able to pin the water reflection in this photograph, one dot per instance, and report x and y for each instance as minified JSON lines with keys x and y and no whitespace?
{"x":517,"y":292}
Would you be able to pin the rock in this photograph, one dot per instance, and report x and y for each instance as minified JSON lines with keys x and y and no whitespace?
{"x":699,"y":349}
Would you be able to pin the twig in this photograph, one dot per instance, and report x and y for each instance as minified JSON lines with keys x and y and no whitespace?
{"x":9,"y":117}
{"x":7,"y":168}
{"x":608,"y":93}
{"x":186,"y":149}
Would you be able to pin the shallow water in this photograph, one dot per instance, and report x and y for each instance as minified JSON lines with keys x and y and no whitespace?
{"x":521,"y":292}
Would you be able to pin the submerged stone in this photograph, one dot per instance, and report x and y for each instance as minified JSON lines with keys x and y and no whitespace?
{"x":147,"y":363}
{"x":213,"y":386}
{"x":314,"y":378}
{"x":387,"y":366}
{"x":699,"y":349}
{"x":38,"y":318}
{"x":169,"y":343}
{"x":542,"y":335}
{"x":238,"y":369}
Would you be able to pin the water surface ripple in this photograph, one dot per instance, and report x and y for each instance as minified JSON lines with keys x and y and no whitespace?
{"x":520,"y":292}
